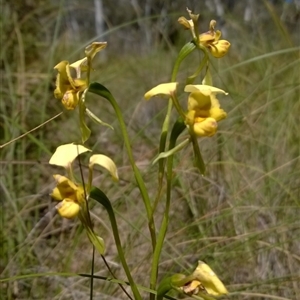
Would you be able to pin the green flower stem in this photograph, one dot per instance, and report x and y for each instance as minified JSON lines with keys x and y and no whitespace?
{"x":88,"y":72}
{"x":164,"y":226}
{"x":90,"y":180}
{"x":92,"y":274}
{"x":70,"y":173}
{"x":85,"y":131}
{"x":177,"y":106}
{"x":184,"y":52}
{"x":198,"y":160}
{"x":102,"y":91}
{"x":178,"y":127}
{"x":100,"y":197}
{"x":203,"y":63}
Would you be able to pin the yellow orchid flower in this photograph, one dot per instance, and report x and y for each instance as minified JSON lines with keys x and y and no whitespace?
{"x":92,"y":49}
{"x":68,"y":87}
{"x":203,"y":281}
{"x":73,"y":197}
{"x":191,"y":24}
{"x":211,"y":40}
{"x":70,"y":194}
{"x":204,"y":109}
{"x":209,"y":280}
{"x":187,"y":24}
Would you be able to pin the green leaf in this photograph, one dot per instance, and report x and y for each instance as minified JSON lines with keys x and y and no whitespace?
{"x":198,"y":160}
{"x":85,"y":131}
{"x":192,"y":78}
{"x":96,"y":240}
{"x":101,"y":198}
{"x":184,"y":52}
{"x":101,"y":90}
{"x":177,"y":129}
{"x":171,"y":152}
{"x":96,"y":119}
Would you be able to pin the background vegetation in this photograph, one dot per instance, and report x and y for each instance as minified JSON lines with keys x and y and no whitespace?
{"x":242,"y":219}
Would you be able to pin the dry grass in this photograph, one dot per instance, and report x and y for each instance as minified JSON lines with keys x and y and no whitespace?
{"x":242,"y":218}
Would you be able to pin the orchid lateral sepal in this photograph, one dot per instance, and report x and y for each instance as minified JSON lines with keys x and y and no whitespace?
{"x":85,"y":131}
{"x":64,"y":155}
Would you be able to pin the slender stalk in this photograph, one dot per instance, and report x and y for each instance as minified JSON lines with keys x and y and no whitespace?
{"x":102,"y":91}
{"x":164,"y":227}
{"x":137,"y":174}
{"x":100,"y":197}
{"x":184,"y":52}
{"x":113,"y":275}
{"x":92,"y":274}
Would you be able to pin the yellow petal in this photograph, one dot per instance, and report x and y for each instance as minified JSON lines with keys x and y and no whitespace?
{"x":65,"y":188}
{"x":65,"y":77}
{"x":65,"y":154}
{"x":187,"y":24}
{"x":192,"y":288}
{"x":214,"y":101}
{"x":207,"y":80}
{"x":208,"y":127}
{"x":105,"y":162}
{"x":206,"y":90}
{"x":92,"y":49}
{"x":206,"y":38}
{"x":70,"y":99}
{"x":219,"y":49}
{"x":217,"y":113}
{"x":57,"y":195}
{"x":62,"y":81}
{"x":218,"y":35}
{"x":162,"y":89}
{"x":199,"y":101}
{"x":190,"y":117}
{"x":68,"y":209}
{"x":209,"y":279}
{"x":80,"y":195}
{"x":80,"y":66}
